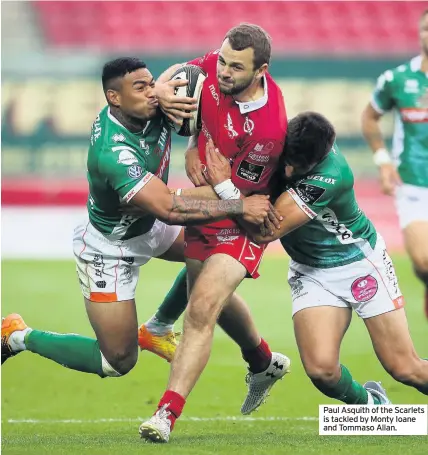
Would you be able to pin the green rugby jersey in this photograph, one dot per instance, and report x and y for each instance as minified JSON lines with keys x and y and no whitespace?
{"x":339,"y":233}
{"x":405,"y":90}
{"x":119,"y":164}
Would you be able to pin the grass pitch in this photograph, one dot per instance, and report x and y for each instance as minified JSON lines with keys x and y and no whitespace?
{"x":47,"y":409}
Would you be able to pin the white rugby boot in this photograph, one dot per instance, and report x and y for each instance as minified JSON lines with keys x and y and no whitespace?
{"x":259,"y":384}
{"x":376,"y":390}
{"x":158,"y":427}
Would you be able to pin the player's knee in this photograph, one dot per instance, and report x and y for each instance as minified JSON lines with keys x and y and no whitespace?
{"x":325,"y":372}
{"x":119,"y":363}
{"x":201,"y":313}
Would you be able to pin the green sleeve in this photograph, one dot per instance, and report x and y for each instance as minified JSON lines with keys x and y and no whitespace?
{"x":315,"y":192}
{"x":124,"y":170}
{"x":382,"y":99}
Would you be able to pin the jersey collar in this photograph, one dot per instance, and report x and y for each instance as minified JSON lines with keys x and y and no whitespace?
{"x":250,"y":106}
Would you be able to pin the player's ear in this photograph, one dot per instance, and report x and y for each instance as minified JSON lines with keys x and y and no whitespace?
{"x":262,"y":71}
{"x":113,"y":97}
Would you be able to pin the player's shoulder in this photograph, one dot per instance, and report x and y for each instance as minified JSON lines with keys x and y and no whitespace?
{"x":400,"y":72}
{"x":210,"y":58}
{"x":333,"y":171}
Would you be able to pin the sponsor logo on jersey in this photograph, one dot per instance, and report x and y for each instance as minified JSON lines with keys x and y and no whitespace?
{"x":165,"y":160}
{"x":135,"y":171}
{"x":118,"y":137}
{"x":309,"y":193}
{"x":96,"y":130}
{"x":214,"y":94}
{"x":322,"y":179}
{"x":311,"y":214}
{"x":414,"y":115}
{"x":411,"y":86}
{"x":248,"y":125}
{"x":364,"y":288}
{"x":229,"y":127}
{"x":249,"y":171}
{"x":144,"y":146}
{"x":127,"y":158}
{"x":128,"y":196}
{"x":259,"y":153}
{"x":331,"y":224}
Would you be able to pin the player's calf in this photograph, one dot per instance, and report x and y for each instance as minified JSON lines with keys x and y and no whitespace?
{"x":412,"y":372}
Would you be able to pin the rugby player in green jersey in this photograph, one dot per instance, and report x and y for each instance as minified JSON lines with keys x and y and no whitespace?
{"x":338,"y":263}
{"x":404,"y":90}
{"x":128,"y":163}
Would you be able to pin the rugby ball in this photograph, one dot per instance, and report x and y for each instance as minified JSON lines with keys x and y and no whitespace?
{"x":195,"y":77}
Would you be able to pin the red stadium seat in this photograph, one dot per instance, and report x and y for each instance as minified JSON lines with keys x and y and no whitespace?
{"x":347,"y":27}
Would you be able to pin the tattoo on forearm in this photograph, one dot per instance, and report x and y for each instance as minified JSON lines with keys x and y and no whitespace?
{"x":185,"y":210}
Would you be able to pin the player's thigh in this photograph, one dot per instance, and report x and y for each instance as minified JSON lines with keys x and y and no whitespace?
{"x":218,"y":279}
{"x":108,"y":274}
{"x":194,"y":268}
{"x":175,"y":251}
{"x":116,"y":327}
{"x":416,"y":240}
{"x":391,"y":340}
{"x":319,"y":331}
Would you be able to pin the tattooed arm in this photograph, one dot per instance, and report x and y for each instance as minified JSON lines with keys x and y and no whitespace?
{"x":155,"y":198}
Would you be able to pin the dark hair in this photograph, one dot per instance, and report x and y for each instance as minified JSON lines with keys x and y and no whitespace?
{"x":249,"y":35}
{"x":310,"y":136}
{"x":424,"y":13}
{"x":118,"y":68}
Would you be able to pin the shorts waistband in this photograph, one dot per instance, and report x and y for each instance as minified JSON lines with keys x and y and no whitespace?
{"x":98,"y":235}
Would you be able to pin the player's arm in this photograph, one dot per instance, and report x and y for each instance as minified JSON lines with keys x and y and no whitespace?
{"x":293,"y":216}
{"x":193,"y":164}
{"x":156,"y":199}
{"x":381,"y":102}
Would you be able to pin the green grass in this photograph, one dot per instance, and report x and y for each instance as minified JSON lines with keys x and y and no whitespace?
{"x":48,"y":296}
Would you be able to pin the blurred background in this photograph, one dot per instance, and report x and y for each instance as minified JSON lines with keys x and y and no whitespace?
{"x":326,"y":57}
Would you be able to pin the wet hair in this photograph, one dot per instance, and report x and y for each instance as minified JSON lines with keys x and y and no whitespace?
{"x":246,"y":35}
{"x":118,"y":68}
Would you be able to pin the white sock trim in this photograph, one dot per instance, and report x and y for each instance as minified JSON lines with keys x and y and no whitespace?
{"x":16,"y":340}
{"x":157,"y":327}
{"x":108,"y":370}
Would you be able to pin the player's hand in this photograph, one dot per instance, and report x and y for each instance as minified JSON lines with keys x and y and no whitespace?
{"x":257,"y":209}
{"x":272,"y":222}
{"x":218,"y":166}
{"x":389,"y":178}
{"x":175,"y":108}
{"x":194,"y":167}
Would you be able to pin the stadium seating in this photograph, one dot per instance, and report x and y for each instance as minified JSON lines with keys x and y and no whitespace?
{"x":296,"y":27}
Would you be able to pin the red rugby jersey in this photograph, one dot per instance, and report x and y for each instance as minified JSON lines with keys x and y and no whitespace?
{"x":250,"y":134}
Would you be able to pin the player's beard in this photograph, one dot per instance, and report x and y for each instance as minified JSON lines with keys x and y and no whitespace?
{"x":237,"y":88}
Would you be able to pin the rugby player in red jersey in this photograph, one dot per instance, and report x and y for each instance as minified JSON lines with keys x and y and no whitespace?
{"x":243,"y":113}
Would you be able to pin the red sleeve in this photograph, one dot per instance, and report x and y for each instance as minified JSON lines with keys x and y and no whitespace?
{"x":255,"y":165}
{"x":203,"y":62}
